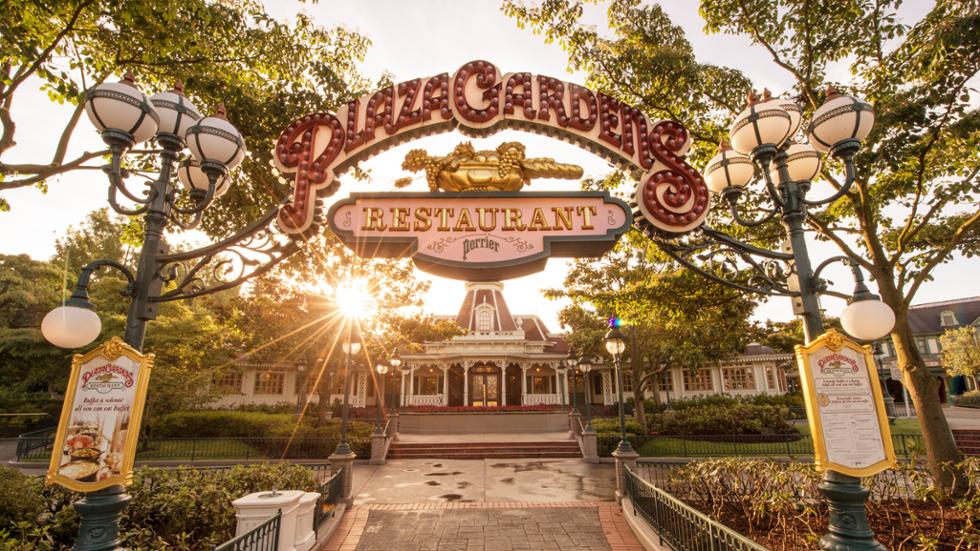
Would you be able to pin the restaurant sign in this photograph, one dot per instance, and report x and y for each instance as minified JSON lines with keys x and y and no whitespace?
{"x":95,"y":445}
{"x":480,"y":236}
{"x":844,"y":405}
{"x":478,"y":99}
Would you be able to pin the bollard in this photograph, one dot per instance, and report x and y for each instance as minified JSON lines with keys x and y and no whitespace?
{"x":590,"y":451}
{"x":345,"y":461}
{"x":623,"y":460}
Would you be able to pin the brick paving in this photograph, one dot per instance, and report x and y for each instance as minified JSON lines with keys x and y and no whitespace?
{"x":484,"y":526}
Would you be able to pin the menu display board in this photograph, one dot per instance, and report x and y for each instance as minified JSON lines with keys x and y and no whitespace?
{"x":95,"y":445}
{"x":844,"y":406}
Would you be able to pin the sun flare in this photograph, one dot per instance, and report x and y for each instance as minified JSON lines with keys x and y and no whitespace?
{"x":354,"y":298}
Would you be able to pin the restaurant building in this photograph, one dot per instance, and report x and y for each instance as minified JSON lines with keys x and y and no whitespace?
{"x":502,"y":359}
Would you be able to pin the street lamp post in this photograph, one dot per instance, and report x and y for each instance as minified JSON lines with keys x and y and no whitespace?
{"x":125,"y":116}
{"x":301,"y":373}
{"x":351,"y":348}
{"x":585,"y":366}
{"x":615,"y":344}
{"x":761,"y":143}
{"x":889,"y":401}
{"x":572,"y":361}
{"x":382,"y":370}
{"x":396,"y":363}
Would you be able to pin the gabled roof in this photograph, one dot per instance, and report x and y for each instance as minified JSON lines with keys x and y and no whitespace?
{"x":926,"y":319}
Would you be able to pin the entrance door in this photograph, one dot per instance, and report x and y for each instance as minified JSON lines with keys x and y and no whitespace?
{"x":484,"y":387}
{"x":455,"y":386}
{"x":513,"y":378}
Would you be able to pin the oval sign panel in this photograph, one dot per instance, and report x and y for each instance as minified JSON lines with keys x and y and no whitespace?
{"x":480,"y":236}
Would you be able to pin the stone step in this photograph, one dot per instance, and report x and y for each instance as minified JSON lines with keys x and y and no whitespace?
{"x":483,"y":454}
{"x":569,"y":444}
{"x":966,"y":432}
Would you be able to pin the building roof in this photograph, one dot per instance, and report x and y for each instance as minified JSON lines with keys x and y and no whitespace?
{"x":485,"y":295}
{"x":927,"y":319}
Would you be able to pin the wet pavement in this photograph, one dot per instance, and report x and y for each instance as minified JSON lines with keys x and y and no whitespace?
{"x":432,"y":481}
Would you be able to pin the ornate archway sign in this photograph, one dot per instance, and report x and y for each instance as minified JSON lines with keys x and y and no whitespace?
{"x":479,"y":100}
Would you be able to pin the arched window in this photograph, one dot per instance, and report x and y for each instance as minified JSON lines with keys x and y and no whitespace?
{"x":484,"y":319}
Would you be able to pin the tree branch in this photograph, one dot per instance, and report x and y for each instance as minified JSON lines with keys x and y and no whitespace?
{"x":43,"y":172}
{"x":966,"y":228}
{"x":821,"y":227}
{"x":22,"y":75}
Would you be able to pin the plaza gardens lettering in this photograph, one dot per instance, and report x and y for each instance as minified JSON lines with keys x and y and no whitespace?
{"x":478,"y":100}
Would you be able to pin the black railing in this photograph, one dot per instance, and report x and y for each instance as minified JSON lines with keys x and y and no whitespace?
{"x":791,"y":446}
{"x":331,"y":491}
{"x":264,"y":537}
{"x":37,"y":447}
{"x":677,"y":524}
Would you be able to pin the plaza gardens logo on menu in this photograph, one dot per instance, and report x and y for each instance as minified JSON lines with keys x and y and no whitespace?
{"x":106,"y":378}
{"x":838,"y":365}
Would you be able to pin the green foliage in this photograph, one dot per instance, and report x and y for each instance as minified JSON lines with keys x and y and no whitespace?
{"x":731,"y":419}
{"x":724,"y":400}
{"x":968,"y":399}
{"x":310,"y":440}
{"x":913,"y":204}
{"x":961,"y":351}
{"x":610,"y":425}
{"x":266,"y":71}
{"x":35,"y":517}
{"x":778,"y":503}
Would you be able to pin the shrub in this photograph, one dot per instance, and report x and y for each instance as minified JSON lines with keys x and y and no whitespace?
{"x":171,"y":508}
{"x":968,"y":399}
{"x":734,"y":419}
{"x":610,"y":425}
{"x":217,"y":423}
{"x":778,"y":504}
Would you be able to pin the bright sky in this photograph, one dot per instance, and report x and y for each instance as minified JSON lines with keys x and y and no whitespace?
{"x":447,"y":34}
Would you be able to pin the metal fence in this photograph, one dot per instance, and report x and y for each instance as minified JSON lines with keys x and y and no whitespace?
{"x":37,"y":446}
{"x":264,"y":537}
{"x":677,"y":524}
{"x":687,"y":445}
{"x":331,"y":491}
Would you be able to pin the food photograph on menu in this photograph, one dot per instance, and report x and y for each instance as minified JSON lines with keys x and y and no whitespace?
{"x":96,"y":439}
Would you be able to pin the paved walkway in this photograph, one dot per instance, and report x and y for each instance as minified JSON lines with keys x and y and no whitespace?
{"x":484,"y":505}
{"x":430,"y":481}
{"x":962,"y":418}
{"x":488,"y":526}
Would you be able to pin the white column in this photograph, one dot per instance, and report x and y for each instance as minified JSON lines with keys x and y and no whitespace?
{"x":411,"y":386}
{"x":445,"y":385}
{"x":466,"y":385}
{"x":404,"y":395}
{"x":503,"y":385}
{"x":566,"y":393}
{"x":523,"y":384}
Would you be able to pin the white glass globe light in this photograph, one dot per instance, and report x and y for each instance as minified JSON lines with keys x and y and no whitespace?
{"x":121,"y":106}
{"x":761,"y":123}
{"x":215,"y":139}
{"x":71,"y":326}
{"x":795,"y":114}
{"x":728,"y":168}
{"x":867,"y":320}
{"x":802,"y":162}
{"x":177,"y":113}
{"x":192,"y":177}
{"x":840,"y":118}
{"x":382,"y":369}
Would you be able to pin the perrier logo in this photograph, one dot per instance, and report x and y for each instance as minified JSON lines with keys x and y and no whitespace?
{"x":479,"y":243}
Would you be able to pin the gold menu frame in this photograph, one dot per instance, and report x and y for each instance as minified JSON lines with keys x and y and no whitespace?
{"x":110,"y":350}
{"x":835,"y":341}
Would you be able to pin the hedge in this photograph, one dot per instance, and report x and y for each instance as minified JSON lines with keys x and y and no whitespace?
{"x":968,"y":399}
{"x":171,"y":508}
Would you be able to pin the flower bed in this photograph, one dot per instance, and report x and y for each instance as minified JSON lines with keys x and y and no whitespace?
{"x":777,"y":504}
{"x":477,"y":409}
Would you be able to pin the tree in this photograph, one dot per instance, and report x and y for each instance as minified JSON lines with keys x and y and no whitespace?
{"x":265,"y":71}
{"x":961,"y":352}
{"x":910,"y":208}
{"x":674,"y":318}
